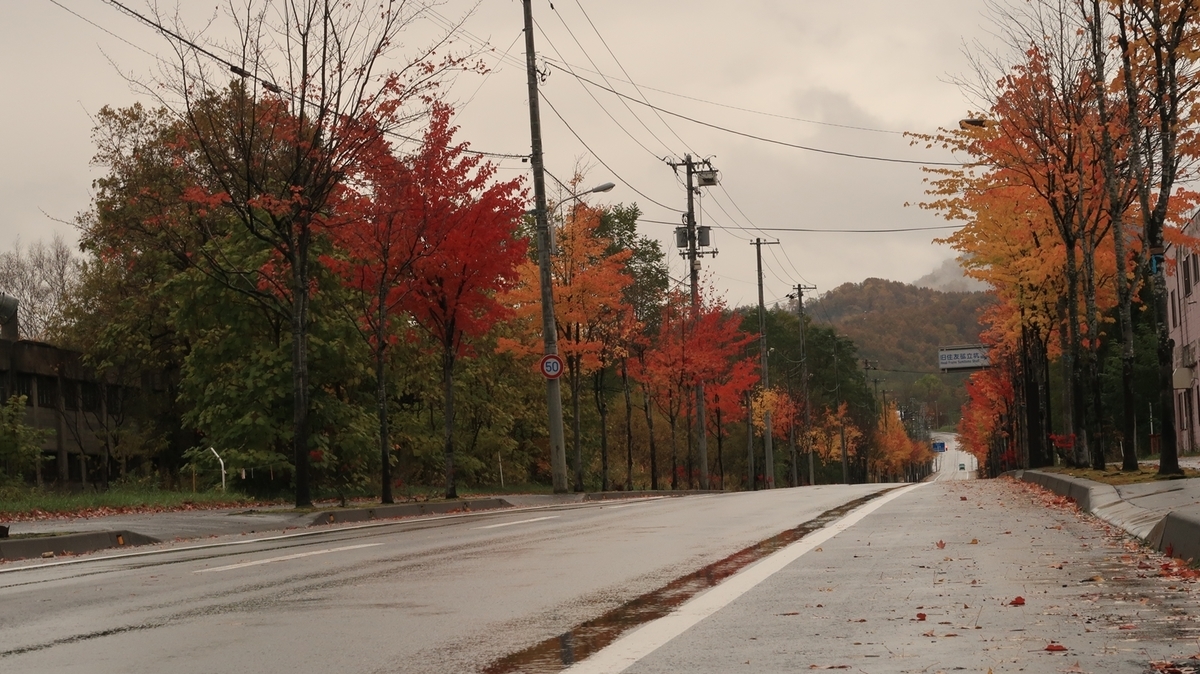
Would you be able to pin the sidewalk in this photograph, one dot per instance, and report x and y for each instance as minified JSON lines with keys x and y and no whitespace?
{"x":1164,"y":514}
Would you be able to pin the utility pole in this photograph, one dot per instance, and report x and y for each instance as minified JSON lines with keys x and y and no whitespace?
{"x":768,"y":451}
{"x":708,"y":177}
{"x":558,"y":452}
{"x":799,"y":297}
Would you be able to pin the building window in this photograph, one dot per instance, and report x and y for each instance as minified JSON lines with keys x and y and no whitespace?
{"x":91,"y":396}
{"x":70,"y":393}
{"x":25,"y":387}
{"x":1187,"y":276}
{"x":1174,"y":310}
{"x":47,"y":392}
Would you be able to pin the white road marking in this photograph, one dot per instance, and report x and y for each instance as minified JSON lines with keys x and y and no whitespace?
{"x":626,"y":651}
{"x":287,"y":557}
{"x":509,"y":524}
{"x":637,"y":503}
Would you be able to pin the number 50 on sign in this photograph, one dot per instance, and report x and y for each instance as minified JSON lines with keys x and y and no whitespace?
{"x":551,"y":366}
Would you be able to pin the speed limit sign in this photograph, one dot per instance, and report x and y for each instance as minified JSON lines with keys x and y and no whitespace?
{"x":551,"y":366}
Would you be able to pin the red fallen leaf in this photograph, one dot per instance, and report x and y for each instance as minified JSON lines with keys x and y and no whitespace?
{"x":928,"y":634}
{"x":1128,"y":627}
{"x":952,"y":634}
{"x":921,"y":616}
{"x":1019,"y":601}
{"x":962,"y":498}
{"x":941,"y":544}
{"x":1055,"y":647}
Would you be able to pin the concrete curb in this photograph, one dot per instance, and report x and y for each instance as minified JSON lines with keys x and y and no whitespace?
{"x":614,"y":495}
{"x":26,"y":548}
{"x":1176,"y":534}
{"x":405,"y":510}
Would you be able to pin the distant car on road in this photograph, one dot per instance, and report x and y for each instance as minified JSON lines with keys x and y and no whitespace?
{"x":962,"y":466}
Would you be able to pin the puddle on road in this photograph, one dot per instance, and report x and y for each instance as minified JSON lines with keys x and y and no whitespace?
{"x":558,"y":653}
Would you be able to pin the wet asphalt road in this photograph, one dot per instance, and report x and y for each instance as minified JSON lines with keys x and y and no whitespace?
{"x":923,"y":579}
{"x":433,"y":595}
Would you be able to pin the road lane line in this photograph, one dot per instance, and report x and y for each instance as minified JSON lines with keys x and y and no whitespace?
{"x":286,"y":557}
{"x":638,"y":503}
{"x":509,"y":524}
{"x":629,"y":649}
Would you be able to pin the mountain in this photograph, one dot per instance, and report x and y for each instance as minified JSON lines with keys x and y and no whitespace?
{"x":899,"y":327}
{"x":950,"y":278}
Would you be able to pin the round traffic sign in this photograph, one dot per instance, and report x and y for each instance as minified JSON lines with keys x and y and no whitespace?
{"x":551,"y":366}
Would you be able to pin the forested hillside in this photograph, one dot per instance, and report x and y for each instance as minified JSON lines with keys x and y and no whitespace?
{"x":898,"y":328}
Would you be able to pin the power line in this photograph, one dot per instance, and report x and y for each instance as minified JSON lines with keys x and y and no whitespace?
{"x":822,"y":230}
{"x":593,"y":96}
{"x":266,"y":84}
{"x":630,"y":79}
{"x":738,"y":108}
{"x":623,"y":102}
{"x":764,"y":139}
{"x":599,"y":159}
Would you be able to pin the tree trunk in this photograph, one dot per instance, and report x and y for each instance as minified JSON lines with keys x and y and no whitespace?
{"x":381,"y":406}
{"x":720,"y":458}
{"x":751,"y":482}
{"x":299,"y":263}
{"x":448,"y":420}
{"x":602,"y":410}
{"x":653,"y":444}
{"x":628,"y":425}
{"x":576,"y":384}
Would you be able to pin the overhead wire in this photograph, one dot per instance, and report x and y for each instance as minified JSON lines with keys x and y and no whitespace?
{"x":264,"y":82}
{"x":635,"y":86}
{"x":623,"y":102}
{"x":764,"y":139}
{"x":596,"y":100}
{"x":601,"y":159}
{"x":738,"y":108}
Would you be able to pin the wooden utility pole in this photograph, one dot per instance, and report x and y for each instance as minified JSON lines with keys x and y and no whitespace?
{"x":558,"y":452}
{"x":693,"y":255}
{"x":799,"y":297}
{"x":768,"y":451}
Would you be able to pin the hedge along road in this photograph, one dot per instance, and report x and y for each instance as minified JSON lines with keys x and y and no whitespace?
{"x":450,"y":594}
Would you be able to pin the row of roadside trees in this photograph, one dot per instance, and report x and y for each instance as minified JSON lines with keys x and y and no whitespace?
{"x":1076,"y":179}
{"x":279,"y":267}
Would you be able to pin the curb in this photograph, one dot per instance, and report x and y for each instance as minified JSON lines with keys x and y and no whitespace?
{"x":70,"y":544}
{"x":405,"y":510}
{"x":1177,"y":534}
{"x":615,"y":495}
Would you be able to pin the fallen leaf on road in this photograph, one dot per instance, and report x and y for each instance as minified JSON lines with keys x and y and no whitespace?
{"x":952,"y":634}
{"x":1055,"y":647}
{"x":1128,"y":627}
{"x":791,"y":613}
{"x":974,"y":541}
{"x":962,"y":498}
{"x":1019,"y":601}
{"x":1073,"y":669}
{"x":920,"y":616}
{"x":928,"y":634}
{"x":941,"y":544}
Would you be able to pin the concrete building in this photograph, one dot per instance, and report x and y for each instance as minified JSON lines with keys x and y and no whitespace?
{"x":63,"y":397}
{"x":1183,"y":309}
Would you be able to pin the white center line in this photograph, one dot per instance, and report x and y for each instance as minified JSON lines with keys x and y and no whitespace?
{"x":509,"y":524}
{"x":286,"y":557}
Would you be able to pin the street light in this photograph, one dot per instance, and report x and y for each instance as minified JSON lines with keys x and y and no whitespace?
{"x":603,"y":187}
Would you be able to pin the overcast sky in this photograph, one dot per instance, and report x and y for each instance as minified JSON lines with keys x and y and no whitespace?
{"x":802,"y":71}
